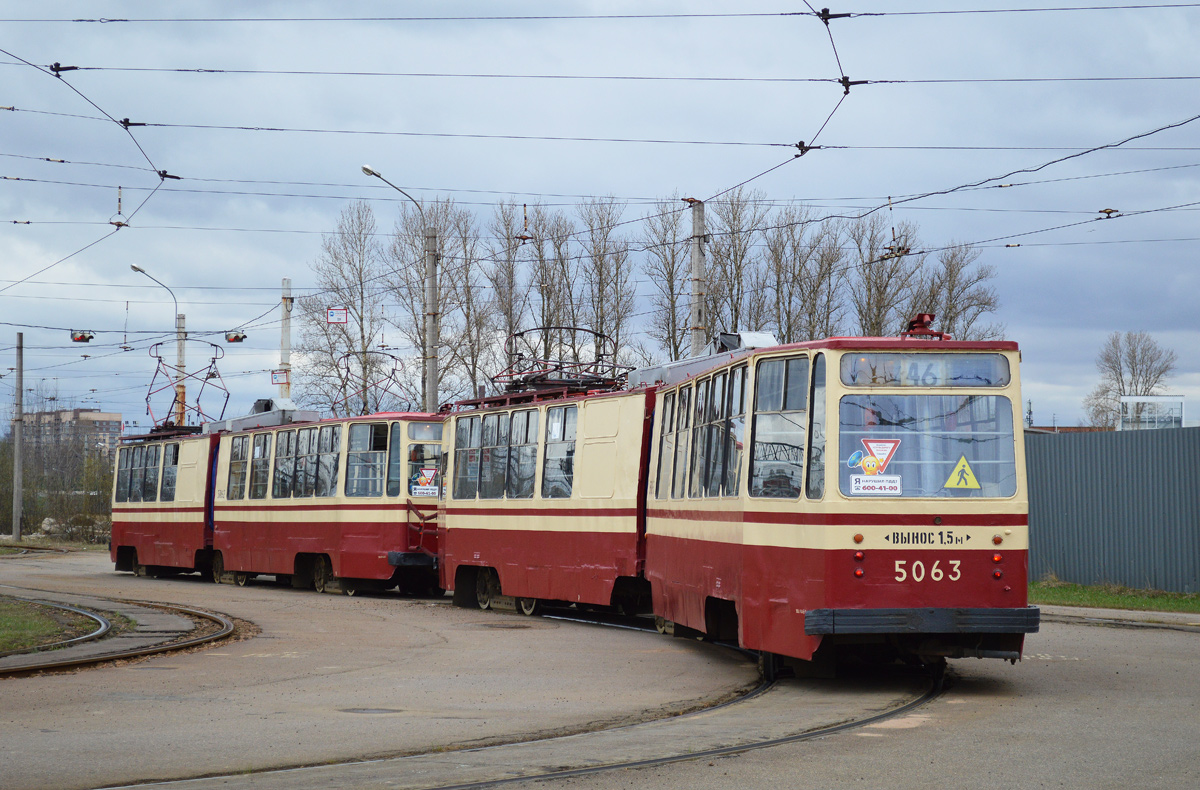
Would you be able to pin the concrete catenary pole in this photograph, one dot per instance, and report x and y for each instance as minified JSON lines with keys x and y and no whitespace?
{"x":431,"y":321}
{"x":17,"y":438}
{"x":285,"y":341}
{"x":698,"y":330}
{"x":180,"y":373}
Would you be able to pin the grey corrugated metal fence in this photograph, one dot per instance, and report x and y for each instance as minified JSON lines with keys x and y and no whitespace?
{"x":1120,"y":507}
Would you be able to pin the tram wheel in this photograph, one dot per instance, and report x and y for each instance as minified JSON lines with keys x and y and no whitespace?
{"x":218,"y":567}
{"x":322,"y":574}
{"x":529,"y":606}
{"x":483,"y":588}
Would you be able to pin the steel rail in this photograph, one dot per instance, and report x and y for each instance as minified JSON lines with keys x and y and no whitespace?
{"x":105,"y":627}
{"x":226,"y":628}
{"x":24,"y":550}
{"x":935,"y":689}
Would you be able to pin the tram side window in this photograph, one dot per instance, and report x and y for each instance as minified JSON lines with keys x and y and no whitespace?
{"x":735,"y":431}
{"x":424,"y":457}
{"x":683,"y":413}
{"x":467,"y":435}
{"x":238,"y":447}
{"x":328,"y":452}
{"x":366,"y":456}
{"x":260,"y":466}
{"x":780,"y":421}
{"x":150,"y":473}
{"x":285,"y":464}
{"x":306,"y":463}
{"x":558,"y":474}
{"x":815,"y":485}
{"x":135,"y":473}
{"x":170,"y":472}
{"x":699,"y":439}
{"x":666,"y":447}
{"x":522,"y":455}
{"x":493,"y":462}
{"x":124,"y":455}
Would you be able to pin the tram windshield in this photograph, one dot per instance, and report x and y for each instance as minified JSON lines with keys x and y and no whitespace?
{"x":927,"y":446}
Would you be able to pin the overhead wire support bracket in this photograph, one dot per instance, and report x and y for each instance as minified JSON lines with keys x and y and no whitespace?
{"x":56,"y":67}
{"x":127,"y":123}
{"x":848,"y":83}
{"x":825,"y":16}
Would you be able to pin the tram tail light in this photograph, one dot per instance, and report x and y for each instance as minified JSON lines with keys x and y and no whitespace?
{"x":859,"y":556}
{"x":997,"y":574}
{"x":997,"y":539}
{"x":997,"y":557}
{"x":858,"y":573}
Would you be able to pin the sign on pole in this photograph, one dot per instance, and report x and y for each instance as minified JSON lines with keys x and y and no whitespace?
{"x":337,"y":315}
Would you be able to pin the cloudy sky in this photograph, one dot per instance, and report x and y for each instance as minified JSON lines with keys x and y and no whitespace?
{"x":266,"y":111}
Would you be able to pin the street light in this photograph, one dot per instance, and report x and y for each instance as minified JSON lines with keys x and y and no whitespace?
{"x":180,"y":335}
{"x":431,"y":312}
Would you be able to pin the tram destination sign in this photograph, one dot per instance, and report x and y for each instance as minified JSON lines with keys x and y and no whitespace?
{"x":917,"y":369}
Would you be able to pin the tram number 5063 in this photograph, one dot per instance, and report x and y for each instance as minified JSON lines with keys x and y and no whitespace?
{"x":935,"y":573}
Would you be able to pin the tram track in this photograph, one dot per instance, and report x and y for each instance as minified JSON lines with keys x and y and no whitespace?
{"x":224,"y":627}
{"x":706,"y":731}
{"x":103,"y":622}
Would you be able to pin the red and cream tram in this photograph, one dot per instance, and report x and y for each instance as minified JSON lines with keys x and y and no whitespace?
{"x":545,"y":499}
{"x":341,"y":504}
{"x":860,"y":491}
{"x":867,"y":492}
{"x":162,"y":504}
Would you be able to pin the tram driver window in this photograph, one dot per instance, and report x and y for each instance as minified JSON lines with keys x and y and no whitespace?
{"x":780,"y":420}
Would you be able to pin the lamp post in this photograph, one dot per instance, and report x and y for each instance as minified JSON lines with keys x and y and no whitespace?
{"x":431,"y":311}
{"x":180,"y":335}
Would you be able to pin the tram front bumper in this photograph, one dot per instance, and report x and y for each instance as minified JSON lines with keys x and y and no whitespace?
{"x":1024,"y":620}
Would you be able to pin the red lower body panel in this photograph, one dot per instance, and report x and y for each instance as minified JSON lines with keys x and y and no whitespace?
{"x":169,"y":544}
{"x":580,"y":567}
{"x":356,"y":549}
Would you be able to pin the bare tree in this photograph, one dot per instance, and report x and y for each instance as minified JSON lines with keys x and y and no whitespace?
{"x":1129,"y":364}
{"x":885,"y":273}
{"x":668,"y":268}
{"x":554,"y":277}
{"x":804,"y":274}
{"x":958,"y":293}
{"x":405,"y":280}
{"x":338,"y":365}
{"x":606,"y":271}
{"x":510,"y":294}
{"x":471,"y":322}
{"x":733,"y":301}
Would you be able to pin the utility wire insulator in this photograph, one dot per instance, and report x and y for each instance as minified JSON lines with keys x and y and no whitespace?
{"x":56,"y":67}
{"x":163,"y":174}
{"x":127,"y":123}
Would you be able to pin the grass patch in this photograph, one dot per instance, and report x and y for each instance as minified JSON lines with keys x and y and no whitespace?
{"x":24,"y":624}
{"x":1111,"y":596}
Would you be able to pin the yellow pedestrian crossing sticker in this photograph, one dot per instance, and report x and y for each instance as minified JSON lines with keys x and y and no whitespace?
{"x":962,"y":476}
